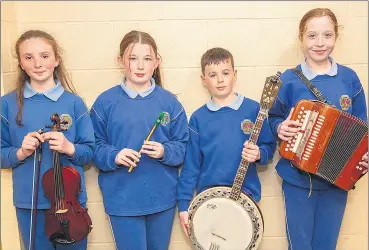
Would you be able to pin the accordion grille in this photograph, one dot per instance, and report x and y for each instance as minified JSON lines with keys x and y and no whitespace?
{"x":345,"y":138}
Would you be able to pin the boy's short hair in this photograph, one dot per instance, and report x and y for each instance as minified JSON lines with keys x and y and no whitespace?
{"x":215,"y":56}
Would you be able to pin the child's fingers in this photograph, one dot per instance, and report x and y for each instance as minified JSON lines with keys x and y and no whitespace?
{"x":184,"y":228}
{"x":152,"y":143}
{"x":251,"y":147}
{"x":28,"y":147}
{"x":288,"y":126}
{"x":148,"y":147}
{"x":365,"y":157}
{"x":148,"y":152}
{"x":249,"y":154}
{"x":128,"y":161}
{"x":364,"y":163}
{"x":135,"y":153}
{"x":48,"y":136}
{"x":252,"y":152}
{"x":37,"y":136}
{"x":54,"y":142}
{"x":287,"y":134}
{"x":284,"y":138}
{"x":184,"y":222}
{"x":121,"y":162}
{"x":55,"y":147}
{"x":132,"y":156}
{"x":249,"y":158}
{"x":32,"y":142}
{"x":294,"y":123}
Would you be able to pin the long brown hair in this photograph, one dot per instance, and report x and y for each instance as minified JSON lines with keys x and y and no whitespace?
{"x":135,"y":36}
{"x":318,"y":12}
{"x":60,"y":73}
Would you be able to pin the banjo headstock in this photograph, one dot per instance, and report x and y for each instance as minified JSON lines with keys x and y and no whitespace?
{"x":270,"y":91}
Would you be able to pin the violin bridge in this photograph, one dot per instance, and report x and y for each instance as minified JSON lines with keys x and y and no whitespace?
{"x":61,"y":211}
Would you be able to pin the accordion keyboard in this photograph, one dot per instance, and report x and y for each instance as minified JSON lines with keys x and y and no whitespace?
{"x":304,"y":141}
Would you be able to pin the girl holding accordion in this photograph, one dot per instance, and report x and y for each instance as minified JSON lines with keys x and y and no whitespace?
{"x":314,"y":206}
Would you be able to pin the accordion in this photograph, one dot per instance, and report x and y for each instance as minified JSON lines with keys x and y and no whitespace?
{"x":330,"y":143}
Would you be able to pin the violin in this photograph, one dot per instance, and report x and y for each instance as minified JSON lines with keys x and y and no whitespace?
{"x":66,"y":222}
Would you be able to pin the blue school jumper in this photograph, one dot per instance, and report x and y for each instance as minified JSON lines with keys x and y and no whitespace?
{"x":122,"y":118}
{"x":314,"y":223}
{"x":37,"y":110}
{"x":213,"y":155}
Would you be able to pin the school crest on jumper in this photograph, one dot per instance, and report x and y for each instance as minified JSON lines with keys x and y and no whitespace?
{"x":166,"y":119}
{"x":246,"y":126}
{"x":345,"y":102}
{"x":65,"y":121}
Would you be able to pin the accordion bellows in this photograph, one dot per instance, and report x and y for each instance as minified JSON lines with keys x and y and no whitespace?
{"x":330,"y":143}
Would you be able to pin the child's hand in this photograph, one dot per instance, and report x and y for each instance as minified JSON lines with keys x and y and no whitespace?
{"x":126,"y":157}
{"x":250,"y":152}
{"x":30,"y":143}
{"x":183,"y":217}
{"x":59,"y":143}
{"x":153,"y":149}
{"x":288,"y":128}
{"x":364,"y":162}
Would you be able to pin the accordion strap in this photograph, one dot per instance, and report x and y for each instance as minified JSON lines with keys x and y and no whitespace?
{"x":311,"y":86}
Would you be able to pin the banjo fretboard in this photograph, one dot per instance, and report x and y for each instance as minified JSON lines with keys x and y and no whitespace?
{"x":270,"y":91}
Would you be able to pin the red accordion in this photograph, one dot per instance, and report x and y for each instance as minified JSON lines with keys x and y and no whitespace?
{"x":330,"y":143}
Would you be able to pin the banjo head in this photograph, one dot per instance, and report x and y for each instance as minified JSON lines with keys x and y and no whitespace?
{"x":217,"y":222}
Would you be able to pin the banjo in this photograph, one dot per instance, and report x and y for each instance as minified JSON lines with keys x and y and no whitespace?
{"x":226,"y":218}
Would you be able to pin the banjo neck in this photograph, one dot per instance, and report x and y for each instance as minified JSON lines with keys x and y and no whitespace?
{"x":244,"y":164}
{"x":269,"y":94}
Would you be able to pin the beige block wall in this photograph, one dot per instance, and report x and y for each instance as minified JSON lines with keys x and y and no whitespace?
{"x":9,"y":33}
{"x":263,"y":39}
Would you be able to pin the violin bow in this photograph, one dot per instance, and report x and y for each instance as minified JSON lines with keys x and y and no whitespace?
{"x":35,"y":194}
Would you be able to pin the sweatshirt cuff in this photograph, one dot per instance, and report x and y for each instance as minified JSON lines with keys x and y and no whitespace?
{"x":13,"y":159}
{"x":263,"y":157}
{"x":78,"y":152}
{"x":183,"y":205}
{"x":112,"y":164}
{"x":276,"y":129}
{"x":167,"y":154}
